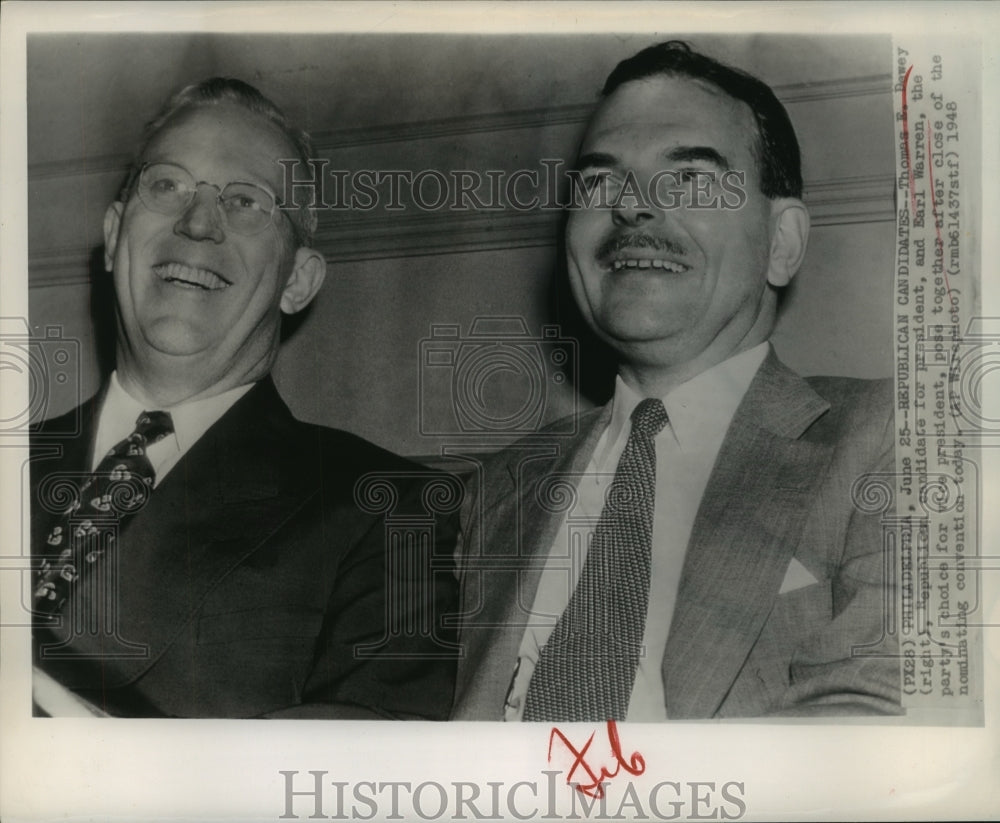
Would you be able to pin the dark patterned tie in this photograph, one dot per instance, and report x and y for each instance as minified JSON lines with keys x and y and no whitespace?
{"x":587,"y":668}
{"x":118,"y":487}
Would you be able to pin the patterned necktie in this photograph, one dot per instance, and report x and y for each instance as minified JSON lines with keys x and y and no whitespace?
{"x":117,"y":488}
{"x":587,"y":668}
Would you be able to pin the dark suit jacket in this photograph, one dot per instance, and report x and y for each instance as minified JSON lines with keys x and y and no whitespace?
{"x":256,"y":582}
{"x":781,"y":488}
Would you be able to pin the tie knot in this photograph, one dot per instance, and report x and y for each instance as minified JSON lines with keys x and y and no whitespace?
{"x":154,"y":425}
{"x":649,"y":417}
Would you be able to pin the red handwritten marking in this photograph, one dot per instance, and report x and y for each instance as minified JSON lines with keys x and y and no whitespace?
{"x":636,"y":764}
{"x":906,"y":143}
{"x":938,"y":243}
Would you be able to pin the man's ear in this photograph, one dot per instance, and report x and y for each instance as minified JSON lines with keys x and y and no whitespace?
{"x":307,"y":276}
{"x":789,"y":234}
{"x":112,"y":222}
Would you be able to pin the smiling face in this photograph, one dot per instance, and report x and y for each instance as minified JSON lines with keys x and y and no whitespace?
{"x":671,"y":287}
{"x":198,"y":304}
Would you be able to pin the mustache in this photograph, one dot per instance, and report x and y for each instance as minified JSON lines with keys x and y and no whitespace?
{"x":638,"y":240}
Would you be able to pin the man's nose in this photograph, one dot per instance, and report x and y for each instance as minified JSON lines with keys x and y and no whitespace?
{"x":201,"y":219}
{"x":633,"y":212}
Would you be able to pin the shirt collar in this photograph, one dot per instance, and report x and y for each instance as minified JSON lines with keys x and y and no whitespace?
{"x":700,"y":410}
{"x":191,"y":420}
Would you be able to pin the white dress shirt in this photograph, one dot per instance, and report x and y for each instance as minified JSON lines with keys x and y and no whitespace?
{"x":700,"y":412}
{"x":120,"y":410}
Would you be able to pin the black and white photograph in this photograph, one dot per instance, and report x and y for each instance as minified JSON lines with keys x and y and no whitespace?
{"x":607,"y":397}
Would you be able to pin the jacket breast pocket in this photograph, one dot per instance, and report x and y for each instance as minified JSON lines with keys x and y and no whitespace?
{"x":262,"y":623}
{"x":796,"y":617}
{"x":803,"y":611}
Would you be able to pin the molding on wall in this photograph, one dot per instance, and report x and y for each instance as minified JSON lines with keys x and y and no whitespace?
{"x":546,"y":117}
{"x":415,"y":235}
{"x":79,"y":166}
{"x":327,"y":141}
{"x":549,"y":116}
{"x":350,"y":237}
{"x":62,"y":266}
{"x":792,"y":93}
{"x":383,"y":236}
{"x":870,"y":199}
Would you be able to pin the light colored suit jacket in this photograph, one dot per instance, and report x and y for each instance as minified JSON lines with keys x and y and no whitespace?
{"x":740,"y":644}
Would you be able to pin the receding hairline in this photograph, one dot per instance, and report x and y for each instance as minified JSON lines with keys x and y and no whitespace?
{"x":750,"y":125}
{"x":186,"y":113}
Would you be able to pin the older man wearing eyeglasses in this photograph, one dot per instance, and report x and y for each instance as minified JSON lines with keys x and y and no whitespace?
{"x":199,"y":552}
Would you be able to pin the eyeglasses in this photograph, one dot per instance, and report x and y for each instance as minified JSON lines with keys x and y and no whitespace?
{"x":167,"y":188}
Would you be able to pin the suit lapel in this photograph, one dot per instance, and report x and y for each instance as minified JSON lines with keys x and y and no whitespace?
{"x":215,"y":508}
{"x":743,"y":538}
{"x":543,"y":499}
{"x":497,"y":597}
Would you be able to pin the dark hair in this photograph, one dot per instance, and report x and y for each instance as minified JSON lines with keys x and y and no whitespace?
{"x":214,"y":91}
{"x":776,"y":149}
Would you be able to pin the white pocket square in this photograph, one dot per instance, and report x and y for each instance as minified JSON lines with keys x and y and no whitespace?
{"x":797,"y":577}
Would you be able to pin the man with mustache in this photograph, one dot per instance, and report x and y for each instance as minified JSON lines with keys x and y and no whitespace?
{"x":199,"y":552}
{"x":722,"y":569}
